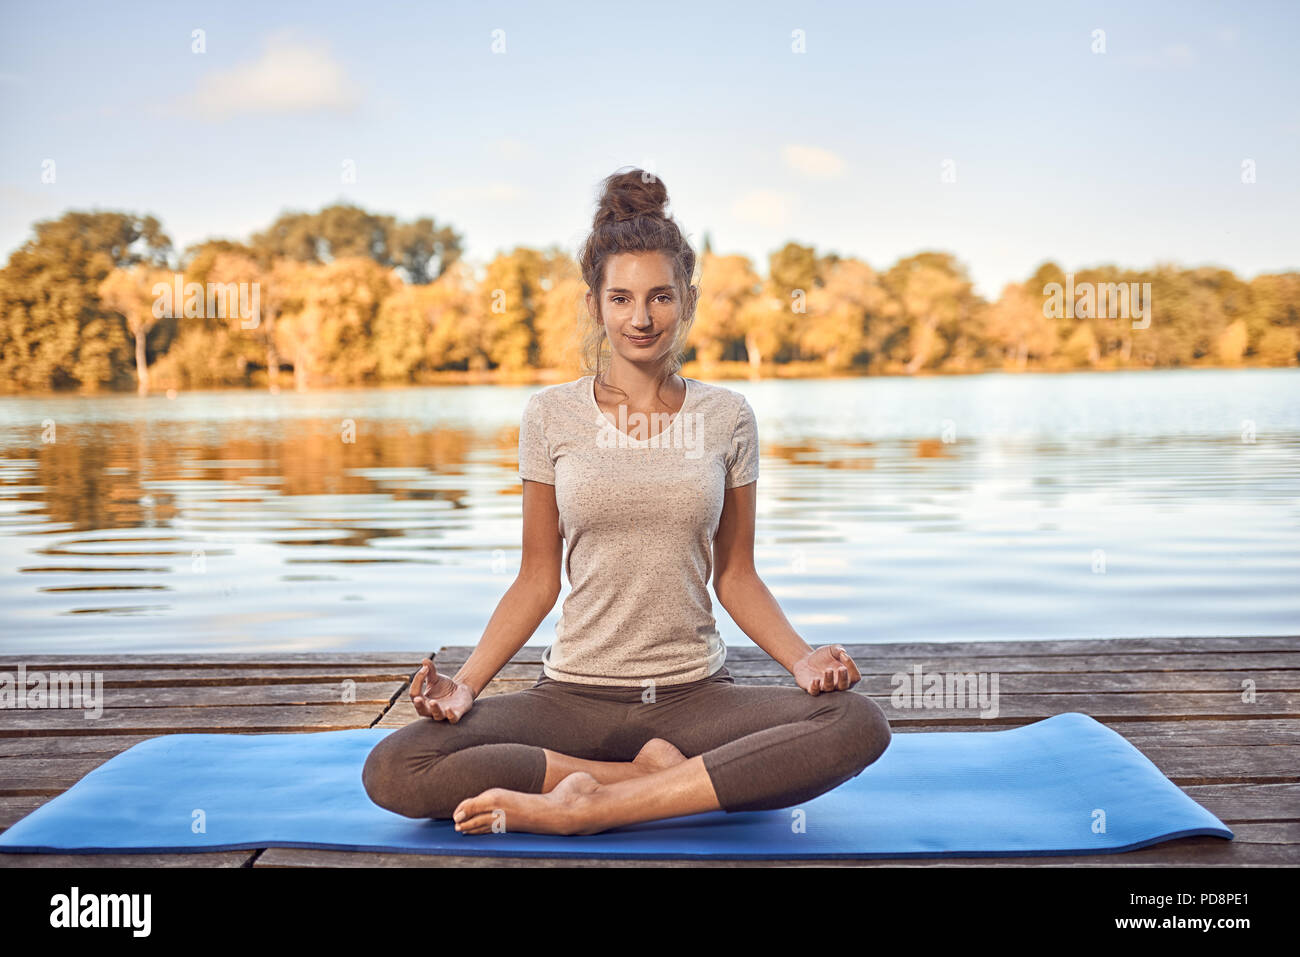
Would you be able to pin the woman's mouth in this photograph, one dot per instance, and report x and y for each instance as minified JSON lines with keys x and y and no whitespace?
{"x":641,"y":340}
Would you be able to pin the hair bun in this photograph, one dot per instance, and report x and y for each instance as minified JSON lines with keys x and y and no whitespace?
{"x":629,"y":194}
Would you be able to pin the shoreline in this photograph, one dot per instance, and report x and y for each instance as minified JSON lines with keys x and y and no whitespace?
{"x":718,"y":372}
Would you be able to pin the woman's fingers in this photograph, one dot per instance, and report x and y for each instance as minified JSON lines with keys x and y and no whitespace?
{"x":854,"y":676}
{"x":421,"y":703}
{"x":417,"y":687}
{"x":835,"y":670}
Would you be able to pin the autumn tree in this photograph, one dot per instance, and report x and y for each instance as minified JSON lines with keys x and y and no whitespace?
{"x":510,"y":296}
{"x":841,"y":311}
{"x":422,"y":329}
{"x":54,"y":330}
{"x":421,"y":249}
{"x":129,"y":292}
{"x":935,"y":298}
{"x":726,"y":284}
{"x":1017,"y":327}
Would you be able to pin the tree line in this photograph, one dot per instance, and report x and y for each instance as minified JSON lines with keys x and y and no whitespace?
{"x":346,"y":297}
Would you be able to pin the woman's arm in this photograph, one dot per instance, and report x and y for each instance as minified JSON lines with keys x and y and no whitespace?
{"x":530,"y":597}
{"x":755,"y":610}
{"x":738,"y":587}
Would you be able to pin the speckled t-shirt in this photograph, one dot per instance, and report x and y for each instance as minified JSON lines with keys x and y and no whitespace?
{"x":638,"y":518}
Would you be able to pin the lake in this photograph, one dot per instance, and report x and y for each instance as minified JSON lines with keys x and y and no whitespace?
{"x":987,"y":507}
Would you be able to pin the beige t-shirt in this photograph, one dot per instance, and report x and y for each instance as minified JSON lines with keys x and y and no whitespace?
{"x":638,"y":518}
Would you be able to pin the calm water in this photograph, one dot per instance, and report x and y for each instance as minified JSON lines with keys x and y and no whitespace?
{"x":956,"y":508}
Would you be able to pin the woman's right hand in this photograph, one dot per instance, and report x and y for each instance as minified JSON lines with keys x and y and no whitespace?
{"x":440,"y":697}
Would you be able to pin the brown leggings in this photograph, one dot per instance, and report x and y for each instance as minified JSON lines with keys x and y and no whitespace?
{"x":764,"y":747}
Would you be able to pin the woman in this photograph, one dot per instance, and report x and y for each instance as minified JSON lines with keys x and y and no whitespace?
{"x":635,"y":717}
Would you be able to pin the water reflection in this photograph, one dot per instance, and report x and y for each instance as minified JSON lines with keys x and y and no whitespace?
{"x":983,"y":507}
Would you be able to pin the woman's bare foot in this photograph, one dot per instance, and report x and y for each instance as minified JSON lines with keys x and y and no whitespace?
{"x":657,"y":754}
{"x":558,"y":811}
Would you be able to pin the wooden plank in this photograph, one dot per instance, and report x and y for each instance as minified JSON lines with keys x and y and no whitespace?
{"x":209,"y":859}
{"x":965,"y":649}
{"x":1209,"y":732}
{"x":1188,"y":732}
{"x":165,"y":678}
{"x":1271,"y":832}
{"x":14,"y":808}
{"x":39,"y":745}
{"x":1083,"y":679}
{"x":1248,"y":802}
{"x":45,"y":775}
{"x":1184,"y":852}
{"x":181,"y":662}
{"x":1046,"y":664}
{"x":1016,"y":709}
{"x":1102,"y":706}
{"x":365,"y":692}
{"x":1185,"y":682}
{"x":250,"y":718}
{"x":1211,"y":765}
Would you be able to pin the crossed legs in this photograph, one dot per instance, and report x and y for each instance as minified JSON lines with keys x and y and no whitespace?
{"x":553,"y":759}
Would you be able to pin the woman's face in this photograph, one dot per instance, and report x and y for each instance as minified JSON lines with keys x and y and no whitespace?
{"x":640,"y":306}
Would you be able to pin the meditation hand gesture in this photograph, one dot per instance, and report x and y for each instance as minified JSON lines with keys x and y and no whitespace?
{"x":828,"y":668}
{"x":438,"y":696}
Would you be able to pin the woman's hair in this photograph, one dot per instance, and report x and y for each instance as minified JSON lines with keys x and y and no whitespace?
{"x":630,"y":218}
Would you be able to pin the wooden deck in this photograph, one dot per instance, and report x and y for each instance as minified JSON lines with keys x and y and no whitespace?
{"x":1179,"y":700}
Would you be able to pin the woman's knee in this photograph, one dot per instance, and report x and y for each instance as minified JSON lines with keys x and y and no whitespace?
{"x":389,"y":778}
{"x":378,"y":773}
{"x":864,"y":727}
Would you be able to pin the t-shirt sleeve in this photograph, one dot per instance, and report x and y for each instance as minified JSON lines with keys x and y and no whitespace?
{"x":535,"y":462}
{"x":742,"y":460}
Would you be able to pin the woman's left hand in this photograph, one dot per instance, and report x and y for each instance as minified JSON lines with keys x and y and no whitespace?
{"x":828,"y":668}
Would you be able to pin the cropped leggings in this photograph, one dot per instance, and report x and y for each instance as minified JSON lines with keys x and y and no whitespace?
{"x":763,"y":747}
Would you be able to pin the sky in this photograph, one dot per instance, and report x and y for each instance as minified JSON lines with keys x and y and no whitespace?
{"x":1004,"y":133}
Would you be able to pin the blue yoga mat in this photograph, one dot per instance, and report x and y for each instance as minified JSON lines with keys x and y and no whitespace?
{"x":1064,"y":785}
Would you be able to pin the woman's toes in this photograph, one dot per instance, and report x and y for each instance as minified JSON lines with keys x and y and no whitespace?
{"x":471,"y":807}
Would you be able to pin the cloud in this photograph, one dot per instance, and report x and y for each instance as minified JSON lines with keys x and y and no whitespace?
{"x":290,"y":76}
{"x":814,"y":161}
{"x":763,"y":207}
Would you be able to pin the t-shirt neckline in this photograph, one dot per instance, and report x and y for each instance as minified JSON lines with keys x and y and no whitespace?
{"x":591,"y":395}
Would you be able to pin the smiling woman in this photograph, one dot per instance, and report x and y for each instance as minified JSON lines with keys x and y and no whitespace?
{"x":635,"y":717}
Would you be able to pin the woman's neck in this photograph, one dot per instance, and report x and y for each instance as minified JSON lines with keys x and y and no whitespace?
{"x":639,"y":388}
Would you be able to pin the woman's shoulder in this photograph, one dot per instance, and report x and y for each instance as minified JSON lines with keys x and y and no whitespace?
{"x":721,"y":395}
{"x":557,"y":400}
{"x":559,"y":391}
